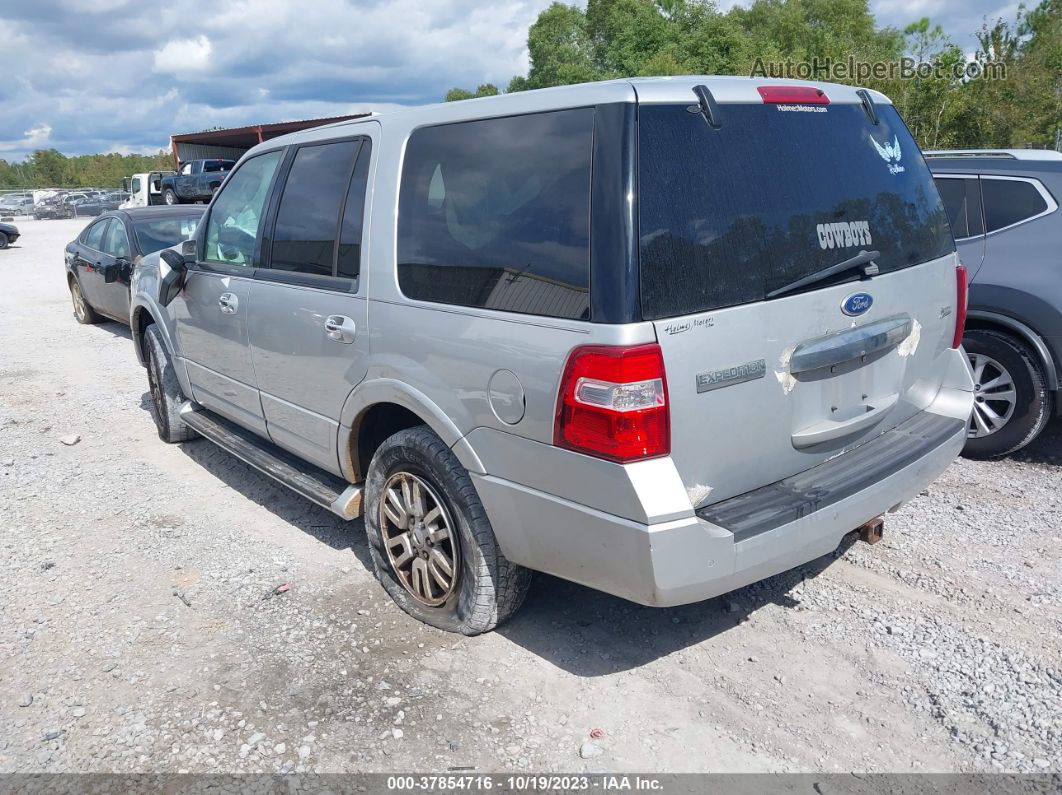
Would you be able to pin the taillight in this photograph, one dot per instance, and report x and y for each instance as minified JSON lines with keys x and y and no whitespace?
{"x":793,"y":95}
{"x":961,"y":295}
{"x":613,"y":403}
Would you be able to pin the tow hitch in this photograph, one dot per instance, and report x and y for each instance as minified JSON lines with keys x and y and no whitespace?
{"x":872,"y":531}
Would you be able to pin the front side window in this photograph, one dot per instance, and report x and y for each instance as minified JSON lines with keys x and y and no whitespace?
{"x":186,"y":169}
{"x":496,"y":214}
{"x":235,"y":215}
{"x":159,"y":233}
{"x":1009,"y":201}
{"x":304,"y":236}
{"x":135,"y":186}
{"x":116,"y":241}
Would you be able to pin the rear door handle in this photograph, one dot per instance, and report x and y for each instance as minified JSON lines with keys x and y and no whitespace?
{"x":228,"y":303}
{"x":340,"y":328}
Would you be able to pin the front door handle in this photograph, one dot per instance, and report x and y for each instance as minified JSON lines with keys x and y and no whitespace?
{"x":228,"y":303}
{"x":340,"y":328}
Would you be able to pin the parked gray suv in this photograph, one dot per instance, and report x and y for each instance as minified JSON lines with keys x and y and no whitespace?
{"x":1003,"y":209}
{"x":662,"y":337}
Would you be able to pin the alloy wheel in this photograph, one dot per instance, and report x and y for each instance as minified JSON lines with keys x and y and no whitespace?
{"x":419,"y":538}
{"x":994,"y":396}
{"x":79,"y":300}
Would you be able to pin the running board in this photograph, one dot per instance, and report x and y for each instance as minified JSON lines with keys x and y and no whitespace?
{"x":316,"y":485}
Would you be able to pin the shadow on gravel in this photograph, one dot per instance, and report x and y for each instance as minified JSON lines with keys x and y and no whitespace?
{"x":116,"y":328}
{"x":293,"y":509}
{"x":1047,"y":449}
{"x":589,"y":633}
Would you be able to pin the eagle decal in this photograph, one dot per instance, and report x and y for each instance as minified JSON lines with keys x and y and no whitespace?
{"x":890,"y":153}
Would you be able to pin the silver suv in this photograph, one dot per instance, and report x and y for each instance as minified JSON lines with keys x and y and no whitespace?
{"x":662,"y":337}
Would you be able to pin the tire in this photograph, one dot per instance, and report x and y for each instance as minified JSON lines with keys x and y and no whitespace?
{"x":166,"y":397}
{"x":169,"y":197}
{"x":83,"y":311}
{"x":3,"y":241}
{"x":488,"y":589}
{"x":998,"y":426}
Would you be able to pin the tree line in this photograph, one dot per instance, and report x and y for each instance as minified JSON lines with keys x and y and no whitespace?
{"x":1008,"y":95}
{"x":47,"y":168}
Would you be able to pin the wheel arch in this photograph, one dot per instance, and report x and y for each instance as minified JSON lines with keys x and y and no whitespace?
{"x":992,"y":321}
{"x":380,"y":408}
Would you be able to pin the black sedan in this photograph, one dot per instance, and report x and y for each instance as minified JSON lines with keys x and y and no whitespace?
{"x":100,"y":262}
{"x":8,"y":235}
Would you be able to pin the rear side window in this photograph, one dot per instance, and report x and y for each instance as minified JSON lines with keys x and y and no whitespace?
{"x":953,"y":194}
{"x":496,"y":214}
{"x":1009,"y":201}
{"x":775,"y":194}
{"x":304,"y":238}
{"x":348,"y":261}
{"x":93,"y":236}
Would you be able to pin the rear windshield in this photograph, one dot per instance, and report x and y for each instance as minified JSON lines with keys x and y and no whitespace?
{"x":777,"y":193}
{"x":160,"y":233}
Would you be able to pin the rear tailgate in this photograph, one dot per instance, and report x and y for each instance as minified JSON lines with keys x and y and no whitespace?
{"x":761,"y":388}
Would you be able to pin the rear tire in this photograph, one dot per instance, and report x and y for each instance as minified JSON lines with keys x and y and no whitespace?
{"x":1005,"y":419}
{"x":488,"y":588}
{"x":83,"y":311}
{"x":166,"y":397}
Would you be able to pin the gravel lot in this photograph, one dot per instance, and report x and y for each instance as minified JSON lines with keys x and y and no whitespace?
{"x":138,"y":630}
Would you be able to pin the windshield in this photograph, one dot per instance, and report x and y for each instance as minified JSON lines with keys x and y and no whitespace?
{"x":778,"y":192}
{"x":160,"y":233}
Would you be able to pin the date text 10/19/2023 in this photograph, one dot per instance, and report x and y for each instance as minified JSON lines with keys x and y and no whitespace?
{"x":524,"y":783}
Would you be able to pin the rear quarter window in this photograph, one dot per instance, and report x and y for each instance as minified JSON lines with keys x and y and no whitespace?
{"x":495,"y":213}
{"x":1010,"y":201}
{"x":727,"y":215}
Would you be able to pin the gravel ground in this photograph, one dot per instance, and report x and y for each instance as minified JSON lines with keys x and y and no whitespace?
{"x":139,"y":629}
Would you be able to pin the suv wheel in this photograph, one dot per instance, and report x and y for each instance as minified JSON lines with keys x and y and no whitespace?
{"x":431,"y":543}
{"x":1011,"y":401}
{"x":166,"y":397}
{"x":169,"y":197}
{"x":83,"y":311}
{"x":3,"y":240}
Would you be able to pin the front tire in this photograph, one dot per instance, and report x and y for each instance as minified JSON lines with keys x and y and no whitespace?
{"x":166,"y":397}
{"x":1012,"y":404}
{"x":169,"y":197}
{"x":3,"y":241}
{"x":83,"y":311}
{"x":432,"y":545}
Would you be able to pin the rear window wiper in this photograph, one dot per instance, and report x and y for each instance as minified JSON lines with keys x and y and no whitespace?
{"x":863,"y":261}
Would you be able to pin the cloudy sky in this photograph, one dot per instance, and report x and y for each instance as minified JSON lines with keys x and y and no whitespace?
{"x":87,"y":76}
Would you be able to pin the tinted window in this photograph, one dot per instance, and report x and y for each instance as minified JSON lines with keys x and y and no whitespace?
{"x":953,"y":194}
{"x":728,"y":215}
{"x":116,"y":241}
{"x":232,"y":227}
{"x":93,"y":236}
{"x":1009,"y":201}
{"x":160,"y":233}
{"x":496,"y":213}
{"x":304,"y":238}
{"x":348,"y":263}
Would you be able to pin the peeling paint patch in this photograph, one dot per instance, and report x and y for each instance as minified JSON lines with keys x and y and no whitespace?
{"x":698,"y":494}
{"x":785,"y":378}
{"x":910,"y":345}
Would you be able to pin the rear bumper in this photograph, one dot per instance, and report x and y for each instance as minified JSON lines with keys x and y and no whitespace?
{"x":697,"y":557}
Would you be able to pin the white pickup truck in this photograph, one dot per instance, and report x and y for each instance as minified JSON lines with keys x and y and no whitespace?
{"x":145,"y":190}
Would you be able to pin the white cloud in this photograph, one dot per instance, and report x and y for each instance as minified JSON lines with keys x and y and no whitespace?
{"x":184,"y":55}
{"x":36,"y":137}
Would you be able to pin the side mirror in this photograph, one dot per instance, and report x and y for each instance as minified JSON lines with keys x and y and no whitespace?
{"x":173,"y":280}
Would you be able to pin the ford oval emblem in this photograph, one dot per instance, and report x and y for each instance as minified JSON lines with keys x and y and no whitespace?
{"x":857,"y":304}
